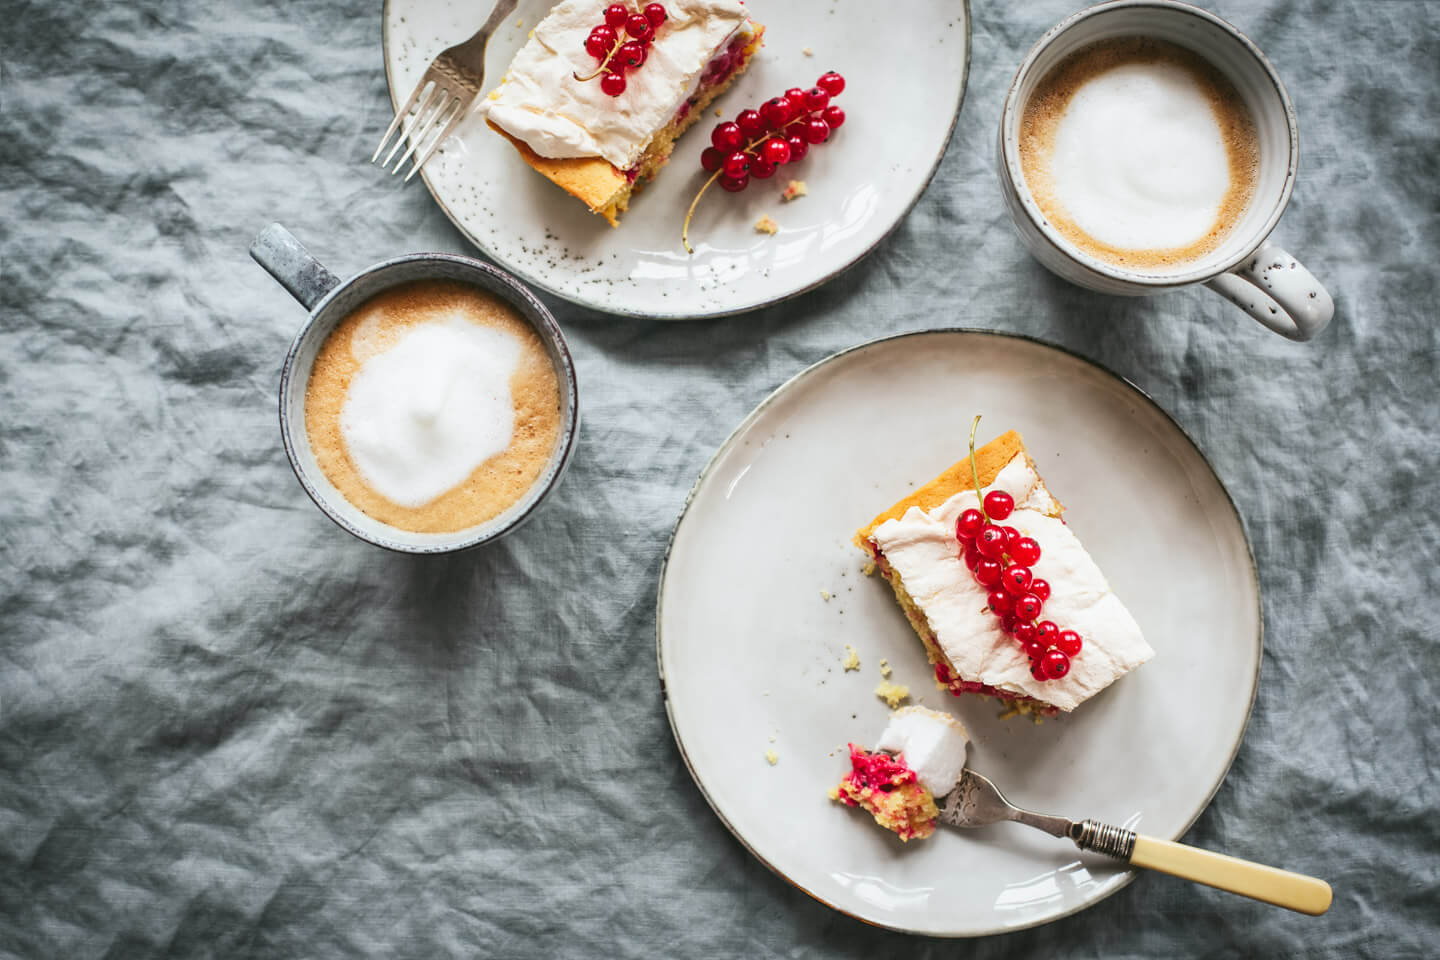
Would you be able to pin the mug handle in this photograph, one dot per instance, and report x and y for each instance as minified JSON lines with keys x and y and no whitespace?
{"x":287,"y":260}
{"x":1276,"y":289}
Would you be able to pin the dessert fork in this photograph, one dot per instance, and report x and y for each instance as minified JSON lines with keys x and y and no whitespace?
{"x":976,"y":802}
{"x":442,"y":96}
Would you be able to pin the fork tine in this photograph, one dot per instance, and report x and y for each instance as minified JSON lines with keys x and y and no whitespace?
{"x":400,"y":115}
{"x":412,"y":122}
{"x":419,"y":131}
{"x":444,"y":131}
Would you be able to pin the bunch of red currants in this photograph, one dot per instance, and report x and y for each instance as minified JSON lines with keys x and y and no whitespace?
{"x":782,"y":131}
{"x":616,"y":54}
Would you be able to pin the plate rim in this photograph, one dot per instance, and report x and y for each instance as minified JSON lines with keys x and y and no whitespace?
{"x":770,"y":399}
{"x":535,"y":281}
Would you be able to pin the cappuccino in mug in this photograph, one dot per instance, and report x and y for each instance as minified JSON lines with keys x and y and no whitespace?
{"x":433,"y":407}
{"x":1140,"y":153}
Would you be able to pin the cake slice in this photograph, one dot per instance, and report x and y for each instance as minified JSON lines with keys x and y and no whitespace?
{"x":601,"y":148}
{"x":919,"y":757}
{"x":916,"y":548}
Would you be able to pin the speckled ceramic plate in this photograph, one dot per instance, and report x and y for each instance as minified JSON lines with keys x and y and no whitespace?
{"x":762,"y":591}
{"x":901,"y":102}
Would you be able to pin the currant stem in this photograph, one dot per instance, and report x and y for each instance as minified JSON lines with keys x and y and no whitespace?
{"x":603,"y":63}
{"x":974,"y":470}
{"x":685,"y":227}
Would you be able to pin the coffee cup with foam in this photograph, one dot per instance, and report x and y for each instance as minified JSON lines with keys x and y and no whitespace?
{"x":1147,"y":145}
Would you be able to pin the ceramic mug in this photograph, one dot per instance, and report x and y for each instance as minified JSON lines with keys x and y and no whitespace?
{"x":1246,"y":268}
{"x":329,"y":301}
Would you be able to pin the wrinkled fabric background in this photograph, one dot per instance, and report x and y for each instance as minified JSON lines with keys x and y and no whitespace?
{"x":228,"y":729}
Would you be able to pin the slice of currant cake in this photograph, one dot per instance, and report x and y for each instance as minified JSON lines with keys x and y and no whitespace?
{"x":1004,"y":597}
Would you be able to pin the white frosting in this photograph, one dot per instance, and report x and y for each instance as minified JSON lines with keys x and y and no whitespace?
{"x":419,"y":417}
{"x":932,"y":744}
{"x":1139,"y":160}
{"x":541,"y":102}
{"x":922,"y":549}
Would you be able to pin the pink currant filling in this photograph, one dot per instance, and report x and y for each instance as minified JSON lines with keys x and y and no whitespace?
{"x":877,"y":771}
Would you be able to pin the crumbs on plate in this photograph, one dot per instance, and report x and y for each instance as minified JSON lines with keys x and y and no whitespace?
{"x":796,"y":188}
{"x":852,"y":659}
{"x":893,"y":694}
{"x":885,"y":670}
{"x":766,"y":225}
{"x":771,"y":757}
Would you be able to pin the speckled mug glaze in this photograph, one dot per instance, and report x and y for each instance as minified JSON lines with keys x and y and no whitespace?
{"x":1246,"y":269}
{"x":329,"y":301}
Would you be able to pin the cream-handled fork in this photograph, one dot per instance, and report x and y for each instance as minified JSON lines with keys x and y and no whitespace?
{"x":976,"y":802}
{"x":442,"y":96}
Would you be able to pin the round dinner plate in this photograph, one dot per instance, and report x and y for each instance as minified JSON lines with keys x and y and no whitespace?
{"x":762,"y":591}
{"x":861,"y":183}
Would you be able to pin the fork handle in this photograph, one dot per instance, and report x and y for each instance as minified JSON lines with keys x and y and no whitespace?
{"x":1293,"y":891}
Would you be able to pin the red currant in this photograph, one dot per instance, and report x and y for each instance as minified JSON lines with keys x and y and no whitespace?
{"x":1069,"y":643}
{"x":816,"y":130}
{"x":1033,"y":648}
{"x":816,"y":98}
{"x":631,"y":53}
{"x":1000,"y":602}
{"x":613,"y":84}
{"x":972,"y":555}
{"x":751,"y":124}
{"x":712,"y":159}
{"x":798,"y":148}
{"x":832,"y":83}
{"x":1026,"y":632}
{"x":991,"y":541}
{"x":833,"y":116}
{"x":1008,"y":623}
{"x":737,"y":165}
{"x":616,"y":15}
{"x":639,"y":27}
{"x":1041,"y":589}
{"x":796,"y":96}
{"x":1028,"y":606}
{"x":727,"y":137}
{"x":1025,"y":550}
{"x":969,"y":525}
{"x":596,"y":45}
{"x":1056,"y":664}
{"x":761,"y":169}
{"x":655,"y":13}
{"x":999,"y":505}
{"x":1012,"y":536}
{"x":776,"y":112}
{"x":1017,"y":579}
{"x":987,"y":573}
{"x":777,"y":151}
{"x":734,"y":185}
{"x":1037,"y":671}
{"x":1048,"y":631}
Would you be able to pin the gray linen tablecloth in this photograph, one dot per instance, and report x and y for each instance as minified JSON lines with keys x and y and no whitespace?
{"x":227,"y":728}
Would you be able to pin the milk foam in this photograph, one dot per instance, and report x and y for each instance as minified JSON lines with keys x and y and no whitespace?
{"x":1139,"y":159}
{"x":420,"y":416}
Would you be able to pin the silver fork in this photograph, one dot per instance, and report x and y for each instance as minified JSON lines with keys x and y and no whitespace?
{"x":976,"y":802}
{"x":442,"y":96}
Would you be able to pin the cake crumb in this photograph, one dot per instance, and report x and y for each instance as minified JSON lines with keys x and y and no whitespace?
{"x":764,"y":693}
{"x":520,"y":22}
{"x":772,"y":738}
{"x":808,"y":52}
{"x":719,"y":112}
{"x":833,"y":793}
{"x":885,"y":670}
{"x":852,"y":659}
{"x":796,"y":188}
{"x":869,"y":569}
{"x":766,"y":225}
{"x":771,"y":757}
{"x":893,"y":694}
{"x":825,"y":594}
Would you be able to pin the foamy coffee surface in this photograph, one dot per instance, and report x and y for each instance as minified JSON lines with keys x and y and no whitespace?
{"x":1139,"y":152}
{"x":433,"y":407}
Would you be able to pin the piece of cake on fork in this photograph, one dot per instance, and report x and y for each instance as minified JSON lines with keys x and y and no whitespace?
{"x":1006,"y":600}
{"x":918,"y":759}
{"x":597,"y":97}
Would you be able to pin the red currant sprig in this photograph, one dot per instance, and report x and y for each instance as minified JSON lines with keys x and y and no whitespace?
{"x":756,"y":142}
{"x":1000,"y":559}
{"x":607,"y":43}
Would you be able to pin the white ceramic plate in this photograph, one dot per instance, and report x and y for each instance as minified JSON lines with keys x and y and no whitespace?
{"x":901,"y":101}
{"x":749,"y":649}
